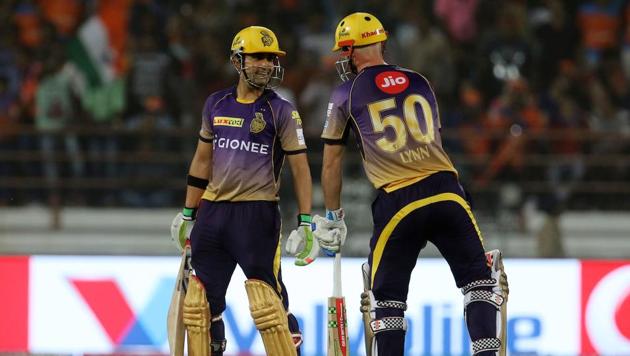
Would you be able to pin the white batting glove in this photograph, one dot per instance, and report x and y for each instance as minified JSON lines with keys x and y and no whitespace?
{"x":330,"y":231}
{"x":182,"y":226}
{"x":301,"y":243}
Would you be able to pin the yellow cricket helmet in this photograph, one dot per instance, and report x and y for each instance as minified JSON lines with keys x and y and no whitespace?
{"x":256,"y":39}
{"x":359,"y":29}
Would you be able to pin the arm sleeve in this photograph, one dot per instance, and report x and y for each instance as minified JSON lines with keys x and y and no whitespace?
{"x":337,"y":117}
{"x":206,"y":133}
{"x":290,"y":130}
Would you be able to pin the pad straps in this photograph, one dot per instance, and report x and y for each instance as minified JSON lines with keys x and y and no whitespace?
{"x":393,"y":304}
{"x":487,"y":344}
{"x":491,"y":282}
{"x":483,"y":296}
{"x":388,"y":323}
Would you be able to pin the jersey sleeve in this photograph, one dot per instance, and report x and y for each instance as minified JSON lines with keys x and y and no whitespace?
{"x":336,"y":124}
{"x":206,"y":133}
{"x":290,"y":130}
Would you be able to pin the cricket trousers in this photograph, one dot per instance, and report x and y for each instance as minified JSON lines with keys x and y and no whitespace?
{"x":433,"y":210}
{"x":245,"y":233}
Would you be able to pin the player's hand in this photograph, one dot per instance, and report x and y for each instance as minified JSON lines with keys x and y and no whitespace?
{"x":330,"y":231}
{"x":301,"y":243}
{"x":182,"y":226}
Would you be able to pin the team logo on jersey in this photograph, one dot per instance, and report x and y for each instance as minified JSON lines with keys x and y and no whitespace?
{"x":392,"y":82}
{"x":228,"y":121}
{"x":296,"y":116}
{"x":258,"y":123}
{"x":266,"y":38}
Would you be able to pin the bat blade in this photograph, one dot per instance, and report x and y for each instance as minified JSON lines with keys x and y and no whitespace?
{"x":337,"y":325}
{"x":174,"y":320}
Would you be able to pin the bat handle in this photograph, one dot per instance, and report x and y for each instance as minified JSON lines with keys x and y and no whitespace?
{"x":337,"y":276}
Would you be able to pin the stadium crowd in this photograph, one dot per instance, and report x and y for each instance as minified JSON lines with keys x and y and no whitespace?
{"x":85,"y":83}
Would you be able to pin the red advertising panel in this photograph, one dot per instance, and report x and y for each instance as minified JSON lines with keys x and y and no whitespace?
{"x":605,"y":309}
{"x":14,"y":305}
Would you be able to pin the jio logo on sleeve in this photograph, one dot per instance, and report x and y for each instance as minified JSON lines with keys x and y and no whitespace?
{"x":391,"y":82}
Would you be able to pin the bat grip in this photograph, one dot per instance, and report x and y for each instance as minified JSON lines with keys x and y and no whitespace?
{"x":337,"y":276}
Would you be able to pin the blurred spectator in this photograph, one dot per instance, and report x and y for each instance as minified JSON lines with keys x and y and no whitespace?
{"x":63,"y":14}
{"x":557,"y":37}
{"x":505,"y":53}
{"x":181,"y":52}
{"x":9,"y":113}
{"x":476,"y":134}
{"x":28,"y":20}
{"x":314,"y":101}
{"x":115,"y":17}
{"x":315,"y":39}
{"x":149,"y":73}
{"x":518,"y":114}
{"x":148,"y":143}
{"x":428,"y":52}
{"x":614,"y":81}
{"x":55,"y":111}
{"x":599,"y":22}
{"x":459,"y":17}
{"x":564,"y":172}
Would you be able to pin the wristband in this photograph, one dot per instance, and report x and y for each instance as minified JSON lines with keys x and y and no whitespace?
{"x":335,"y":215}
{"x":197,"y":182}
{"x":190,"y":213}
{"x":304,"y":219}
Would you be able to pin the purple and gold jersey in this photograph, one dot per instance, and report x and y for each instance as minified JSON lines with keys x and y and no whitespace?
{"x":394,"y":115}
{"x":250,"y":140}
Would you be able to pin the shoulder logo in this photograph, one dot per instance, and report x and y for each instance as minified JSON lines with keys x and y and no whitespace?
{"x":391,"y":82}
{"x":266,"y":38}
{"x":296,"y":116}
{"x":258,"y":123}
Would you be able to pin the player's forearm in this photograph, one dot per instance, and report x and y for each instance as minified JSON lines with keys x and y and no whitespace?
{"x":331,"y":185}
{"x":200,"y":169}
{"x":193,"y":196}
{"x":302,"y":182}
{"x":331,"y":175}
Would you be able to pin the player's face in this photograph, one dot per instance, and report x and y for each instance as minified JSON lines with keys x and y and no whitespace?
{"x":259,"y":67}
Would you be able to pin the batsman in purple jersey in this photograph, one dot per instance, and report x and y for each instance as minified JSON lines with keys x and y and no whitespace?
{"x":246,"y":133}
{"x":394,"y":116}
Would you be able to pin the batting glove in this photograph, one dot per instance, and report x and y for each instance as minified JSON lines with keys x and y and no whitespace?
{"x":182,"y":226}
{"x":330,"y":231}
{"x":301,"y":243}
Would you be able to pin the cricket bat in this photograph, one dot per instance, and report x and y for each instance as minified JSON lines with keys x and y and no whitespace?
{"x":174,"y":321}
{"x":337,"y":327}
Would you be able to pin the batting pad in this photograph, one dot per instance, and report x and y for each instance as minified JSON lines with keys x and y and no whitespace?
{"x":270,"y":318}
{"x":197,"y":318}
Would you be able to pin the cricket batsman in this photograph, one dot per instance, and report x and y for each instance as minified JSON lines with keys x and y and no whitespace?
{"x":393,"y":113}
{"x":246,"y":133}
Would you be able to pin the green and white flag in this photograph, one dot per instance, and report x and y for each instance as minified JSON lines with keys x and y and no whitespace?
{"x":92,"y":54}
